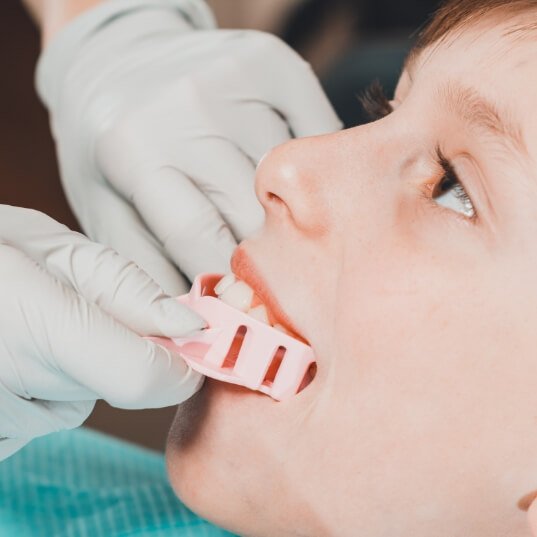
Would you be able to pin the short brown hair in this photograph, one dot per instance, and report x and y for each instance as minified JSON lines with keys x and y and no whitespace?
{"x":455,"y":14}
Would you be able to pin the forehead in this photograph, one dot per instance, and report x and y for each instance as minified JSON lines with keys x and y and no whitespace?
{"x":497,"y":59}
{"x":486,"y":46}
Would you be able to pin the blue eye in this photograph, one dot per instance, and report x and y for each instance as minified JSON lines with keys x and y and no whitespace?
{"x":450,"y":192}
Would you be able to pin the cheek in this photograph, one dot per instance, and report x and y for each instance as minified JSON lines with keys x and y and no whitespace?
{"x":414,"y":328}
{"x":412,"y":372}
{"x":404,"y":313}
{"x":412,"y":275}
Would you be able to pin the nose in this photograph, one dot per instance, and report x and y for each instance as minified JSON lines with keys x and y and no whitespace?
{"x":289,"y":184}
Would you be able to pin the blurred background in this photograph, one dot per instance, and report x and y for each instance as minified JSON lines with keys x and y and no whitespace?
{"x":349,"y":43}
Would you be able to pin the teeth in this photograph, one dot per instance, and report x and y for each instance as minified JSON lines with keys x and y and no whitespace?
{"x":238,"y":295}
{"x":259,"y":313}
{"x":241,"y":296}
{"x":224,"y":283}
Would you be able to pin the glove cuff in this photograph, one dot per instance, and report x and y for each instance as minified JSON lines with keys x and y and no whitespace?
{"x":60,"y":53}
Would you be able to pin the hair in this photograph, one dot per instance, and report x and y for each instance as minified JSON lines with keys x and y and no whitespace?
{"x":456,"y":14}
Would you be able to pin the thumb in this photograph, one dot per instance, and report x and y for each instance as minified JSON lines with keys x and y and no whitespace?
{"x":51,"y":325}
{"x":101,"y":276}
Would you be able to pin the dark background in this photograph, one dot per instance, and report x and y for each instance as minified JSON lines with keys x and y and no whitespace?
{"x":348,"y":42}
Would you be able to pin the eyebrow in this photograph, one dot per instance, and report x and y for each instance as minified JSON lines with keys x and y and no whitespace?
{"x":481,"y":114}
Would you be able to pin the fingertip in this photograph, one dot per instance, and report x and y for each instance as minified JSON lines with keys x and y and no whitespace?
{"x":324,"y":121}
{"x":174,"y":319}
{"x":164,"y":380}
{"x":312,"y":114}
{"x":182,"y":382}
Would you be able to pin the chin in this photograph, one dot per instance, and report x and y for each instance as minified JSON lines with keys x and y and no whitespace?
{"x":225,"y":456}
{"x":203,"y":453}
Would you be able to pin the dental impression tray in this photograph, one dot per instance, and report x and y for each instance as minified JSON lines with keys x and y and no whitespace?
{"x":239,"y":349}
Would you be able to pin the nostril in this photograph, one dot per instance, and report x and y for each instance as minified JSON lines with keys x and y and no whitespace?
{"x":277,"y":203}
{"x":273,"y":197}
{"x":276,"y":206}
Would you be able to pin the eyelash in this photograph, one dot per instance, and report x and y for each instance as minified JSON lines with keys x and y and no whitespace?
{"x":377,"y":106}
{"x":450,"y":180}
{"x":374,"y":102}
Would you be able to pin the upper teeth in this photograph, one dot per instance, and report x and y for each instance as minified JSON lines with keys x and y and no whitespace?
{"x":239,"y":295}
{"x":224,"y":283}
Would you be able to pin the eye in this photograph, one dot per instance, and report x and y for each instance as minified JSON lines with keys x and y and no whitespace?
{"x":450,"y":192}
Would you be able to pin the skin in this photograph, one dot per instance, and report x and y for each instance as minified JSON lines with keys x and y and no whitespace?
{"x":422,"y":419}
{"x":52,"y":15}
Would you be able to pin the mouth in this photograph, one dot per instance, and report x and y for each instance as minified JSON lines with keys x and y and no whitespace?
{"x":279,"y":370}
{"x":246,"y":290}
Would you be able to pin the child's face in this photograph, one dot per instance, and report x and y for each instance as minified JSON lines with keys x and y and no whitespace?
{"x":422,"y":419}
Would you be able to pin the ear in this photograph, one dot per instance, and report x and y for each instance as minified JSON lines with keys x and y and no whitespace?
{"x":532,"y":517}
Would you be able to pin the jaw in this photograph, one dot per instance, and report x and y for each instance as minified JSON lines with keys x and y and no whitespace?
{"x":230,"y":454}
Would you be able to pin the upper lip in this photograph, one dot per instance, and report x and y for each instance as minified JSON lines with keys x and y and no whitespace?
{"x":244,"y":269}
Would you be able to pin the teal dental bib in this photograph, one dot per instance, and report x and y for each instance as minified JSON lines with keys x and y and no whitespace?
{"x":83,"y":483}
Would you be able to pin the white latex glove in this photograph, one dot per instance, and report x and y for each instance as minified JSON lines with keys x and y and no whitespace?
{"x":160,"y":126}
{"x":71,"y":312}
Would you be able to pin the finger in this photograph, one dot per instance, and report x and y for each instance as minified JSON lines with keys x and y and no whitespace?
{"x":307,"y":110}
{"x":24,"y":419}
{"x":236,"y":112}
{"x":255,"y":128}
{"x":118,"y":286}
{"x":118,"y":224}
{"x":296,"y":92}
{"x":101,"y":275}
{"x":228,"y":180}
{"x":51,"y":326}
{"x":186,"y":222}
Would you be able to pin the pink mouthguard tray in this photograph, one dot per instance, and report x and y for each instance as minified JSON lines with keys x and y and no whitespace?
{"x":239,"y":349}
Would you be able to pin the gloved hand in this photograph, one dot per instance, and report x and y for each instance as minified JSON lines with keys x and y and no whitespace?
{"x":71,"y":315}
{"x":160,"y":126}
